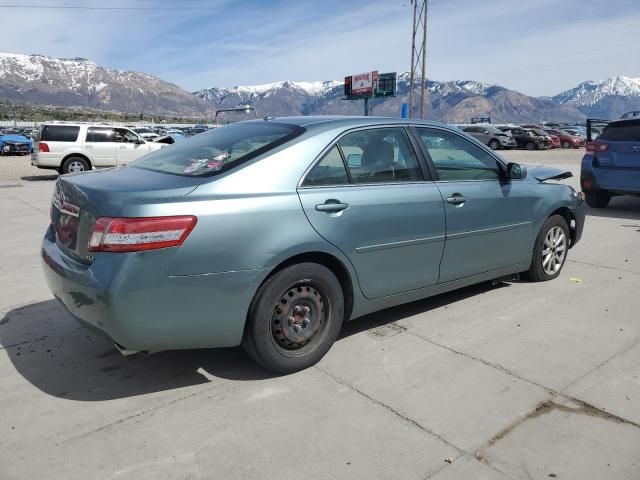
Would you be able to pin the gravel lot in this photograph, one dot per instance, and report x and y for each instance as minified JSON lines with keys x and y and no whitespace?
{"x":514,"y":380}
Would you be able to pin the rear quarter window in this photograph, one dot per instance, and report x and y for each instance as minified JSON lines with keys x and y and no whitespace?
{"x":59,"y":133}
{"x":623,"y":131}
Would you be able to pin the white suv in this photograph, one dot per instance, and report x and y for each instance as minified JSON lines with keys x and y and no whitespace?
{"x":75,"y":147}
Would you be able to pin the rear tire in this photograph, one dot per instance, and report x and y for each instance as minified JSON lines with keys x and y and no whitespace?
{"x":294,"y":318}
{"x":74,"y":165}
{"x":597,"y":199}
{"x":529,"y":146}
{"x":550,"y":250}
{"x":566,"y":144}
{"x":494,"y":144}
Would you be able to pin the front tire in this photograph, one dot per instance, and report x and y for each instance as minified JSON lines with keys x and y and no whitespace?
{"x":295,"y":318}
{"x":494,"y":144}
{"x":566,"y":144}
{"x":529,"y":146}
{"x":550,"y":250}
{"x":599,"y":199}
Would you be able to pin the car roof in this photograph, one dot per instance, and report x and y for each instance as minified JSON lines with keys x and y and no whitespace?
{"x":342,"y":121}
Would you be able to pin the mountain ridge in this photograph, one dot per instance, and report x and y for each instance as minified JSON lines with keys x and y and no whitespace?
{"x":78,"y":82}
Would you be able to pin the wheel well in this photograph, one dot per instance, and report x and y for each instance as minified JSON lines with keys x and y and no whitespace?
{"x":333,"y":264}
{"x":75,"y":155}
{"x":568,"y":216}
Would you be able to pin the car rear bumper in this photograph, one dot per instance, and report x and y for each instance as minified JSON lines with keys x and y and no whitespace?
{"x":130,"y":299}
{"x":622,"y":181}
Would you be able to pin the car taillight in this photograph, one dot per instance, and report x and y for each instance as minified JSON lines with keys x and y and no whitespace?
{"x":136,"y":234}
{"x":43,"y":147}
{"x":594,"y":147}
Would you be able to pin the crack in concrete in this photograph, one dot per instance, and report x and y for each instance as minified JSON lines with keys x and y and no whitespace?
{"x":602,"y":364}
{"x":495,"y":366}
{"x":582,"y":408}
{"x":146,"y":411}
{"x":390,"y":409}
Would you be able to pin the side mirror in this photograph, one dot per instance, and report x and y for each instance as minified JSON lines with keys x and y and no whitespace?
{"x":139,"y":141}
{"x":516,"y":171}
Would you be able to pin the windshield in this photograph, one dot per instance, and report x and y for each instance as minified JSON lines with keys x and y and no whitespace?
{"x":219,"y":149}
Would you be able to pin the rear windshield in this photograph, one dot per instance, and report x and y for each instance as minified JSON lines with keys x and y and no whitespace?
{"x":59,"y":133}
{"x":218,"y":149}
{"x":622,"y":131}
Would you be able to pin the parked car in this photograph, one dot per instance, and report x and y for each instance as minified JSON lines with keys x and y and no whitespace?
{"x":184,"y":248}
{"x":611,"y":163}
{"x":14,"y":144}
{"x":525,"y":138}
{"x":566,"y":139}
{"x":576,"y":133}
{"x":553,"y":141}
{"x":70,"y":147}
{"x":145,"y":132}
{"x":490,"y":136}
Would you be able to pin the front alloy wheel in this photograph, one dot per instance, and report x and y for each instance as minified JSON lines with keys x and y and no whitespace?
{"x":554,"y":250}
{"x":550,"y":250}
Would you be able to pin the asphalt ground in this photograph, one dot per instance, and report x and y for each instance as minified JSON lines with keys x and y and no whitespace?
{"x":513,"y":380}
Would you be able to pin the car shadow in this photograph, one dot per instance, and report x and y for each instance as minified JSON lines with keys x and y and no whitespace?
{"x":63,"y":359}
{"x":626,"y":207}
{"x":39,"y":178}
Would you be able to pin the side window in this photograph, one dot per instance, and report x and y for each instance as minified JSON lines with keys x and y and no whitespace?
{"x":328,"y":171}
{"x":59,"y":133}
{"x":380,"y":155}
{"x":126,"y":136}
{"x":99,"y":134}
{"x":456,"y":158}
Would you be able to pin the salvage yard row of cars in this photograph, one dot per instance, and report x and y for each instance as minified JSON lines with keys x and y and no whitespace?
{"x":528,"y":136}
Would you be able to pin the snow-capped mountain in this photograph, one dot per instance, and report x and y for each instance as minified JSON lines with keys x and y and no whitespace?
{"x":80,"y":82}
{"x":608,"y":98}
{"x":451,"y":101}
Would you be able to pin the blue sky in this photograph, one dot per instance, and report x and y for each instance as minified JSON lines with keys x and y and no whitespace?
{"x":539,"y":47}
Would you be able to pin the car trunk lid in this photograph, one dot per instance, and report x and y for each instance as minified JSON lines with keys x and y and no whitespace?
{"x":80,"y":199}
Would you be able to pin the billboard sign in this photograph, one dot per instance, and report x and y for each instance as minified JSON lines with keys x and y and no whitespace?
{"x":361,"y":83}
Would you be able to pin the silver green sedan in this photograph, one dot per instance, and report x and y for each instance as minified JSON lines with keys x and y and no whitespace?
{"x":270,"y":233}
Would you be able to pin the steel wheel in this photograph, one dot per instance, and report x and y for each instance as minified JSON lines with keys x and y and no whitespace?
{"x":294,"y":318}
{"x":554,"y":250}
{"x":299,"y":316}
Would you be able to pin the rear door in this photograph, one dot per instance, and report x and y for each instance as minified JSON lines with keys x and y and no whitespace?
{"x":130,"y":146}
{"x":100,"y":145}
{"x":369,"y":197}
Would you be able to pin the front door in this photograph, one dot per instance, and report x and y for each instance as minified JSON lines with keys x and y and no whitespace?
{"x":101,"y":145}
{"x":489,"y":220}
{"x":369,"y":198}
{"x":130,"y":146}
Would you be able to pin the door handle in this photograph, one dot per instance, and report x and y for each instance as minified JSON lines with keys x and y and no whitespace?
{"x":636,"y":149}
{"x":88,"y":146}
{"x":332,"y":206}
{"x":456,"y":199}
{"x":122,"y":147}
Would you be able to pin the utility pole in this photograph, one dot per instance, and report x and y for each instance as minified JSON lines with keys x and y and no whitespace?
{"x":418,"y":53}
